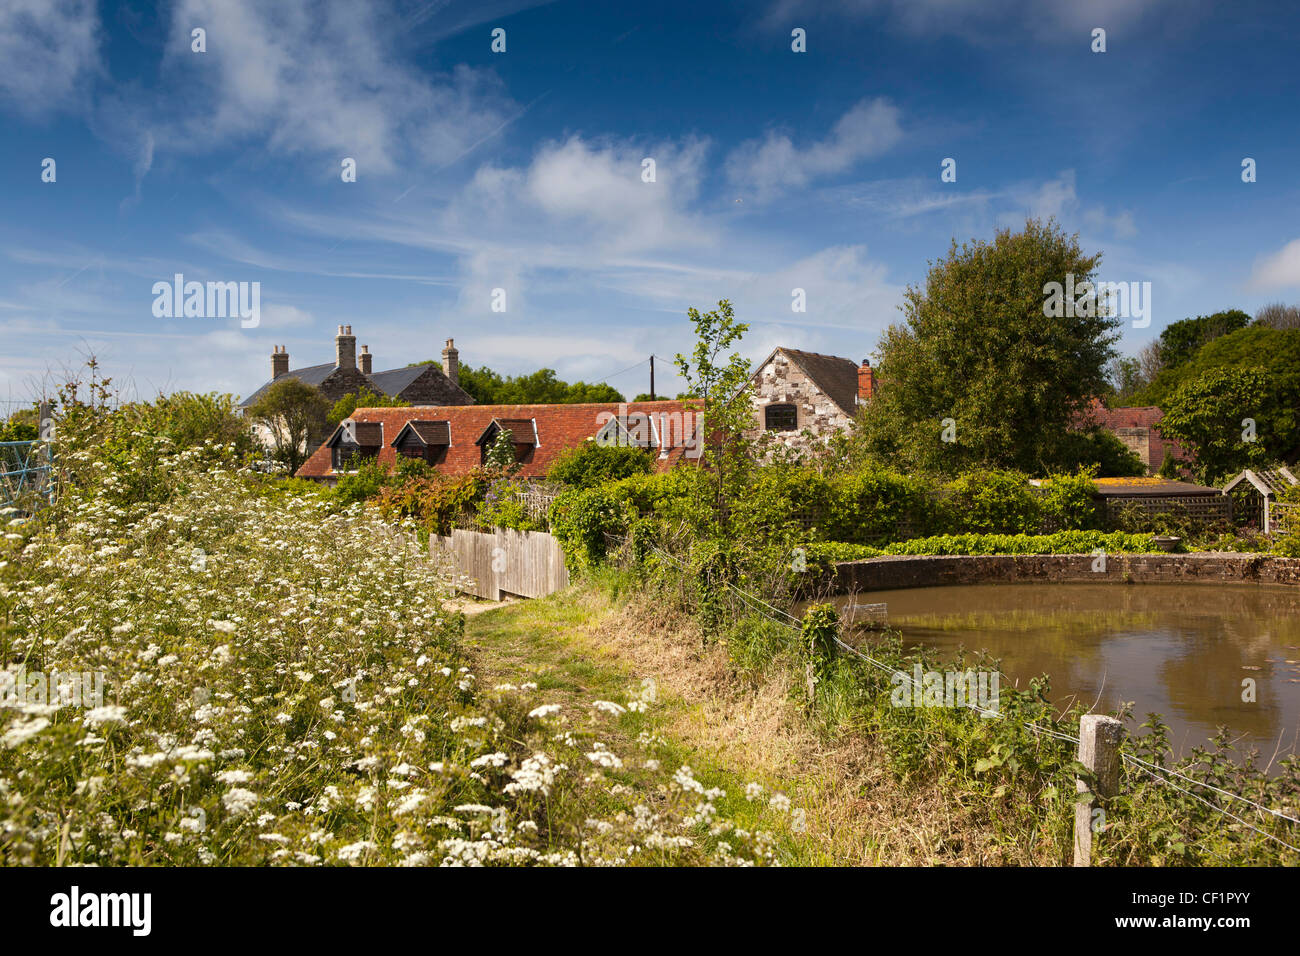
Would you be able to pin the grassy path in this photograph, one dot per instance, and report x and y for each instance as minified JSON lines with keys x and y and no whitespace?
{"x":584,"y":644}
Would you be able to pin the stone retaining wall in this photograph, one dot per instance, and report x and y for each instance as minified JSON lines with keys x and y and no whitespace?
{"x":884,"y":573}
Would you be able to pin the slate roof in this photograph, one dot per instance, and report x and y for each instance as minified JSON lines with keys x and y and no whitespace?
{"x":834,"y":375}
{"x":394,"y":380}
{"x":311,"y":375}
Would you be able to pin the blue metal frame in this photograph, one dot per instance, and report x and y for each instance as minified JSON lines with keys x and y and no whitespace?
{"x":25,"y":468}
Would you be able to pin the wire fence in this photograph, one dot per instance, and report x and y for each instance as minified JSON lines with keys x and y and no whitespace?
{"x":1162,"y":775}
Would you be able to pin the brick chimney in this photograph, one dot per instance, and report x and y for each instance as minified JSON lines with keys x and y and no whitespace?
{"x":279,"y":361}
{"x":345,"y":348}
{"x":866,"y":381}
{"x":451,"y":362}
{"x":365,"y":358}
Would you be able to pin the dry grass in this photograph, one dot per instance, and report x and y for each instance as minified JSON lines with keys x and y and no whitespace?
{"x":858,"y":812}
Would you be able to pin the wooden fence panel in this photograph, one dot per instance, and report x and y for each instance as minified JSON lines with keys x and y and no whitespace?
{"x":488,"y":564}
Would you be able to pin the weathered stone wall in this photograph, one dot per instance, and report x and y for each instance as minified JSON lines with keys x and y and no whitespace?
{"x":884,"y":573}
{"x":781,"y":382}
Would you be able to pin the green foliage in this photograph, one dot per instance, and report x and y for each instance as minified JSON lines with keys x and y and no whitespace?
{"x":989,"y":501}
{"x":818,"y":630}
{"x":364,"y":398}
{"x":1062,"y":542}
{"x":501,"y":457}
{"x":294,"y":414}
{"x":720,"y":376}
{"x":580,"y":519}
{"x":1101,"y":450}
{"x":977,"y":348}
{"x":1206,"y":416}
{"x":591,"y":464}
{"x":17,"y":430}
{"x":1181,"y":340}
{"x":501,"y":507}
{"x":538,"y":388}
{"x":436,"y":502}
{"x":362,"y":484}
{"x":1069,"y":501}
{"x":876,"y":503}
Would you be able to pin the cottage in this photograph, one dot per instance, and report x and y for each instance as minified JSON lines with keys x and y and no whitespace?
{"x":456,"y":439}
{"x":417,"y":384}
{"x":1138,"y":428}
{"x":797,"y":392}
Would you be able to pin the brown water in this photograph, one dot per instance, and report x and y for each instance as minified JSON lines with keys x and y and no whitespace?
{"x":1179,"y":650}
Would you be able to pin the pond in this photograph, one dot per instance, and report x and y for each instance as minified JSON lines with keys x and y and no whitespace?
{"x":1181,"y":650}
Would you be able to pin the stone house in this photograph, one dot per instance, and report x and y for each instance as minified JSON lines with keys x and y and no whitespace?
{"x":797,"y":392}
{"x":350,"y":373}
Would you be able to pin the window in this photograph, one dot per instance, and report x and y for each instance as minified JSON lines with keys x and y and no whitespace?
{"x":348,"y":457}
{"x":781,"y":418}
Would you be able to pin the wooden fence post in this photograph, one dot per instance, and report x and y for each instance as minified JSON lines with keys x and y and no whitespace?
{"x":1099,"y":740}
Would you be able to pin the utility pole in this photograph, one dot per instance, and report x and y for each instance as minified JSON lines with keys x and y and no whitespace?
{"x":652,"y":377}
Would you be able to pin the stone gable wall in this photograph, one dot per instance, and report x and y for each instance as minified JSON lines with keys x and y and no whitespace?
{"x":781,"y":381}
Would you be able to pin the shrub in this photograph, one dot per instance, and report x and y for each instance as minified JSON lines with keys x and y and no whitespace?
{"x":581,"y":518}
{"x":1069,"y":502}
{"x":990,"y":501}
{"x":592,"y":464}
{"x":501,"y":507}
{"x":877,"y":503}
{"x":1063,"y":542}
{"x":363,"y":484}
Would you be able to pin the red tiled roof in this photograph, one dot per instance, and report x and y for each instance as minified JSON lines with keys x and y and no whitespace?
{"x":559,"y":427}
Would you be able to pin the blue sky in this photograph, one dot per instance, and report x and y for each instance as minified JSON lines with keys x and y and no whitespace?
{"x":522,"y":171}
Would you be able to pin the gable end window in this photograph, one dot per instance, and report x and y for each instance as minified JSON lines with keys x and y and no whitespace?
{"x":780,"y":418}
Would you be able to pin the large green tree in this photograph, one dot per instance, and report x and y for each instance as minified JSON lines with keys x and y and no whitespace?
{"x":293,"y":414}
{"x":989,"y":366}
{"x":1223,"y":417}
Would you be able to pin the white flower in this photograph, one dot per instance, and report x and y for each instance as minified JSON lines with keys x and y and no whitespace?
{"x":112,"y":714}
{"x":609,"y":707}
{"x":238,"y":801}
{"x":544,"y":711}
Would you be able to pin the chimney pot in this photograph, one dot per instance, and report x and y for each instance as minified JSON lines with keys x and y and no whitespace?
{"x":365,"y":358}
{"x":345,"y":348}
{"x":451,"y":362}
{"x":279,"y":361}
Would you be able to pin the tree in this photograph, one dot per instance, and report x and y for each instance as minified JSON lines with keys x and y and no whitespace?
{"x":538,"y":388}
{"x":722,"y":383}
{"x":1278,"y":315}
{"x":294,"y":414}
{"x":364,"y":398}
{"x":1221,"y":417}
{"x":1180,"y":340}
{"x":992,"y":362}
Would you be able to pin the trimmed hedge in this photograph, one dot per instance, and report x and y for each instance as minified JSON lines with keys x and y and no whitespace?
{"x":1063,"y":542}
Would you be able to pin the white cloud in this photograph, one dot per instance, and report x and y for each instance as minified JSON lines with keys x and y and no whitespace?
{"x":975,"y":20}
{"x":49,"y":49}
{"x":1122,"y":224}
{"x":1277,"y":271}
{"x":766,"y":166}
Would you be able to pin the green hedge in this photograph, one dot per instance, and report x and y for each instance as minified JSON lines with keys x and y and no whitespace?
{"x":1063,"y":542}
